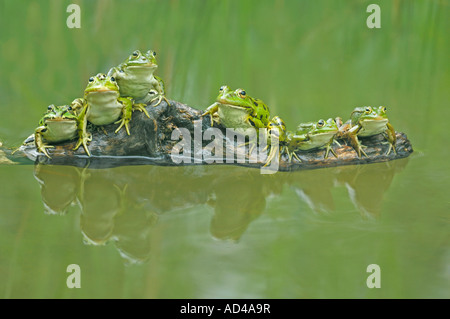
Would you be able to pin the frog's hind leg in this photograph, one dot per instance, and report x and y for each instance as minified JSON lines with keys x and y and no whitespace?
{"x":391,"y":138}
{"x":83,"y":136}
{"x":356,"y":144}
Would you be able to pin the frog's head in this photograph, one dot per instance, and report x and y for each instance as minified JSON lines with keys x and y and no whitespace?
{"x":304,"y":128}
{"x":63,"y":113}
{"x":325,"y":127}
{"x":238,"y":98}
{"x":381,"y":111}
{"x":140,"y":61}
{"x":101,"y":83}
{"x":361,"y":115}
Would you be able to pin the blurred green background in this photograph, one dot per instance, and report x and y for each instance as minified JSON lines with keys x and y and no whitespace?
{"x":307,"y":60}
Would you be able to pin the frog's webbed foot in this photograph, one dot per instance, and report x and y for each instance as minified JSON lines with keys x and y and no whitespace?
{"x":160,"y":97}
{"x":123,"y":123}
{"x":360,"y":150}
{"x":292,"y":154}
{"x":84,"y":140}
{"x":43,"y":149}
{"x":141,"y":107}
{"x":296,"y":157}
{"x":328,"y":150}
{"x":391,"y":148}
{"x":357,"y":146}
{"x":251,"y":144}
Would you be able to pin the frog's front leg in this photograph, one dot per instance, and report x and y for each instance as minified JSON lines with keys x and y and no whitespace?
{"x":127,"y":111}
{"x":391,"y":137}
{"x":38,"y":141}
{"x":159,"y":87}
{"x":213,"y":108}
{"x":83,"y":136}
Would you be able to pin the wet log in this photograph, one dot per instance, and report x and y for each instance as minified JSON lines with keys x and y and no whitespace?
{"x":151,"y":142}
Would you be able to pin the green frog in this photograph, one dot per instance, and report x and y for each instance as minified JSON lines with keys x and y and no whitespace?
{"x":310,"y":135}
{"x":135,"y":77}
{"x":58,"y":124}
{"x":236,"y":109}
{"x":365,"y":122}
{"x":239,"y":111}
{"x":103,"y":105}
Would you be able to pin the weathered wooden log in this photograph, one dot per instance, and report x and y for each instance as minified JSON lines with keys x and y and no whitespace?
{"x":151,"y":142}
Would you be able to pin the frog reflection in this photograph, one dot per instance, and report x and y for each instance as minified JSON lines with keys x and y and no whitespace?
{"x":125,"y":205}
{"x":238,"y":199}
{"x":120,"y":206}
{"x":59,"y":187}
{"x":365,"y":184}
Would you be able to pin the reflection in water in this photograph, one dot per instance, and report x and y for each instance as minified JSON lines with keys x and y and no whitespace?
{"x":122,"y":205}
{"x":366,"y":185}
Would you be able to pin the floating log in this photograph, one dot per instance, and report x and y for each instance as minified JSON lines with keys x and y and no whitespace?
{"x":151,"y":142}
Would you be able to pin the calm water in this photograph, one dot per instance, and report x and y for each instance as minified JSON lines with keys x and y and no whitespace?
{"x":220,"y":232}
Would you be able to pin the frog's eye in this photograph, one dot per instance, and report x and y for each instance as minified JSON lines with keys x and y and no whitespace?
{"x":135,"y":53}
{"x":384,"y":109}
{"x":91,"y":79}
{"x":242,"y":93}
{"x":154,"y":53}
{"x":368,"y":109}
{"x":321,"y":123}
{"x":113,"y":79}
{"x":49,"y":107}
